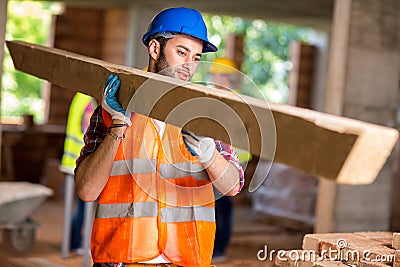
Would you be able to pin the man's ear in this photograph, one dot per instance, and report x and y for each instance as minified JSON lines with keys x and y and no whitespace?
{"x":154,"y":49}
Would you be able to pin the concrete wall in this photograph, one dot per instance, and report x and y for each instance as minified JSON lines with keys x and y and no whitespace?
{"x":320,"y":40}
{"x":139,"y":19}
{"x":374,"y":62}
{"x":363,"y":77}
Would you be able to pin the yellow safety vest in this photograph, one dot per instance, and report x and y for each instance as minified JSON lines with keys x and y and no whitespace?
{"x":243,"y":155}
{"x":74,"y":133}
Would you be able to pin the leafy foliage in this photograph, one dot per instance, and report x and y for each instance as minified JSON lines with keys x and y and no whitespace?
{"x":21,"y":93}
{"x":266,"y":53}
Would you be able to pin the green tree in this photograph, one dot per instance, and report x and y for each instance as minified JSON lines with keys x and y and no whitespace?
{"x":21,"y":93}
{"x":266,"y":51}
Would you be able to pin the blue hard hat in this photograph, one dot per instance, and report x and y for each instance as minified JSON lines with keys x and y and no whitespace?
{"x":180,"y":20}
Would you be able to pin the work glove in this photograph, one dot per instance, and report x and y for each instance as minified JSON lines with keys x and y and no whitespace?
{"x":110,"y":102}
{"x":203,"y":147}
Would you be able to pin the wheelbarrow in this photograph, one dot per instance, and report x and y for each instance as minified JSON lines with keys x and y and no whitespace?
{"x":17,"y":202}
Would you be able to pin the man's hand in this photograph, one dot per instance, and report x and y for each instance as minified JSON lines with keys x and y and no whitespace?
{"x":203,"y":147}
{"x":110,"y":102}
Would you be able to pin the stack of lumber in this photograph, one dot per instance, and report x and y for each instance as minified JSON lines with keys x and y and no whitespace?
{"x":361,"y":249}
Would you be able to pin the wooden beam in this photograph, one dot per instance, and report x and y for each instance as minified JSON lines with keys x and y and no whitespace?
{"x":339,"y":149}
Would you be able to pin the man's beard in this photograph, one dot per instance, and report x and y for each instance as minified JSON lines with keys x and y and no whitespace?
{"x":162,"y":66}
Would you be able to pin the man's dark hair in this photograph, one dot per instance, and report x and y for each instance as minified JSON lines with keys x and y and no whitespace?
{"x":162,"y":62}
{"x":162,"y":40}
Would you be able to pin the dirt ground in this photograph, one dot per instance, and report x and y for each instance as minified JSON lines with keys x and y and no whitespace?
{"x":250,"y":235}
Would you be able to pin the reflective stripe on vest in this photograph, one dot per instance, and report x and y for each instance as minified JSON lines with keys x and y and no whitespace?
{"x":187,"y":214}
{"x":75,"y":138}
{"x":132,"y":166}
{"x":73,"y":146}
{"x":127,"y":210}
{"x":150,"y":209}
{"x":183,"y":169}
{"x":177,"y":170}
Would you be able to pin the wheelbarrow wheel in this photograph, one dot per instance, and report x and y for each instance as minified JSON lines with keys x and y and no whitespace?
{"x":21,"y":238}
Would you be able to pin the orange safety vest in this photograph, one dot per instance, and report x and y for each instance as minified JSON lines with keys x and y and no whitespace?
{"x":158,"y":200}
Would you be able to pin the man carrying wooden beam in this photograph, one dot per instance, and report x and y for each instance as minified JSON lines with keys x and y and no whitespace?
{"x":154,"y":181}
